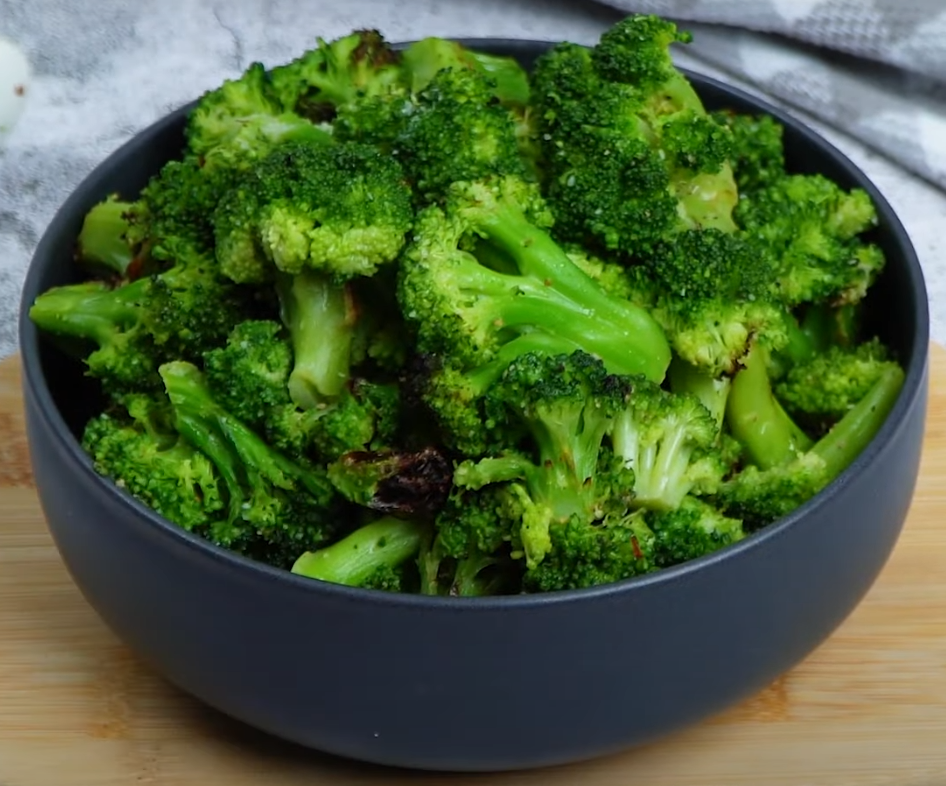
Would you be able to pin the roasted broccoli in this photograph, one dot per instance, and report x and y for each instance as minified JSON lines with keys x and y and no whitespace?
{"x":421,"y":319}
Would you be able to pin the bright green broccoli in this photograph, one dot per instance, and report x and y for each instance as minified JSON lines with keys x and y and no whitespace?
{"x":691,"y":530}
{"x":156,"y":466}
{"x":758,"y":150}
{"x":250,"y":377}
{"x":133,"y":327}
{"x":467,"y":311}
{"x":823,"y":389}
{"x":242,"y":120}
{"x":342,"y":210}
{"x":815,"y":231}
{"x":765,"y":491}
{"x":669,"y":441}
{"x":374,"y":550}
{"x":631,"y":154}
{"x":276,"y":506}
{"x":567,"y":405}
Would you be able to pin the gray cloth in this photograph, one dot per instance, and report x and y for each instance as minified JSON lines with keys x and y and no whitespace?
{"x":875,"y":69}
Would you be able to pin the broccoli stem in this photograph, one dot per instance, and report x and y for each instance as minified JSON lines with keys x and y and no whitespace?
{"x":851,"y":435}
{"x":102,"y":239}
{"x":713,"y":392}
{"x":757,"y":420}
{"x":387,"y":542}
{"x":493,"y":469}
{"x":320,"y":316}
{"x":626,"y":332}
{"x":88,"y":310}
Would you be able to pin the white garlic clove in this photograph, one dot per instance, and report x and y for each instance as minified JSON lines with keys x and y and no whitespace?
{"x":14,"y":84}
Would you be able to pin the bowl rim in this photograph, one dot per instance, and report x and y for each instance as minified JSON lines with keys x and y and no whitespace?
{"x":35,"y":385}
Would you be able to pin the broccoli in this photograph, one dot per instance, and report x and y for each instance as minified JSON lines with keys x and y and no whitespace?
{"x":758,"y":152}
{"x":373,"y":550}
{"x":712,"y":294}
{"x":429,"y":321}
{"x":276,"y":506}
{"x":757,"y":419}
{"x":668,"y":441}
{"x":250,"y":377}
{"x":134,"y":326}
{"x":401,"y":483}
{"x":567,"y":405}
{"x":242,"y":120}
{"x":765,"y":491}
{"x":334,"y":74}
{"x":631,"y":155}
{"x":692,"y":529}
{"x":342,"y":210}
{"x":467,"y":311}
{"x":816,"y":232}
{"x":584,"y":554}
{"x":823,"y":389}
{"x":157,"y":467}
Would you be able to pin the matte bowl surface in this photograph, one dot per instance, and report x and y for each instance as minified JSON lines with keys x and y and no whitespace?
{"x":478,"y":684}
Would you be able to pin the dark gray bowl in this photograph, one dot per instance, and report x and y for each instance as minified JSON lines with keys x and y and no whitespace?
{"x":477,"y":684}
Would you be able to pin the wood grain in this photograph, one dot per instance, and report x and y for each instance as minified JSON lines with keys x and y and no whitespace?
{"x":77,"y":709}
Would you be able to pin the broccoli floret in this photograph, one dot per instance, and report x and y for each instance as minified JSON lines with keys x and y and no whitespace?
{"x":692,"y":530}
{"x":668,"y":441}
{"x":585,"y":554}
{"x":712,"y":294}
{"x":276,"y":506}
{"x":175,"y":314}
{"x":566,"y":405}
{"x":469,"y":573}
{"x":400,"y":483}
{"x":336,"y":73}
{"x":631,"y":154}
{"x":250,"y":377}
{"x":455,"y":131}
{"x":815,"y":231}
{"x":373,"y":550}
{"x":243,"y":120}
{"x":823,"y":389}
{"x":343,"y":210}
{"x":158,"y":468}
{"x":764,"y":492}
{"x":467,"y":311}
{"x":758,"y":152}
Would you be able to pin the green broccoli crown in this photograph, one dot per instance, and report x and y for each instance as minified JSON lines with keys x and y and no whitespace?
{"x":159,"y":469}
{"x":760,"y":496}
{"x":669,"y":441}
{"x":692,"y":530}
{"x":758,"y":151}
{"x":336,"y":73}
{"x":636,"y":51}
{"x":632,"y":155}
{"x":456,"y":130}
{"x":341,"y":209}
{"x":714,"y":297}
{"x":588,"y":554}
{"x":248,"y":375}
{"x":814,"y":229}
{"x":830,"y":383}
{"x":107,"y":319}
{"x":275,"y":506}
{"x":467,"y":309}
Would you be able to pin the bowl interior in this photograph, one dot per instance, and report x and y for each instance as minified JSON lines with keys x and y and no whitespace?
{"x":898,"y":306}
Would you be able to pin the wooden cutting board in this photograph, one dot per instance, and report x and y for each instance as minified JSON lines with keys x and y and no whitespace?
{"x":77,"y":709}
